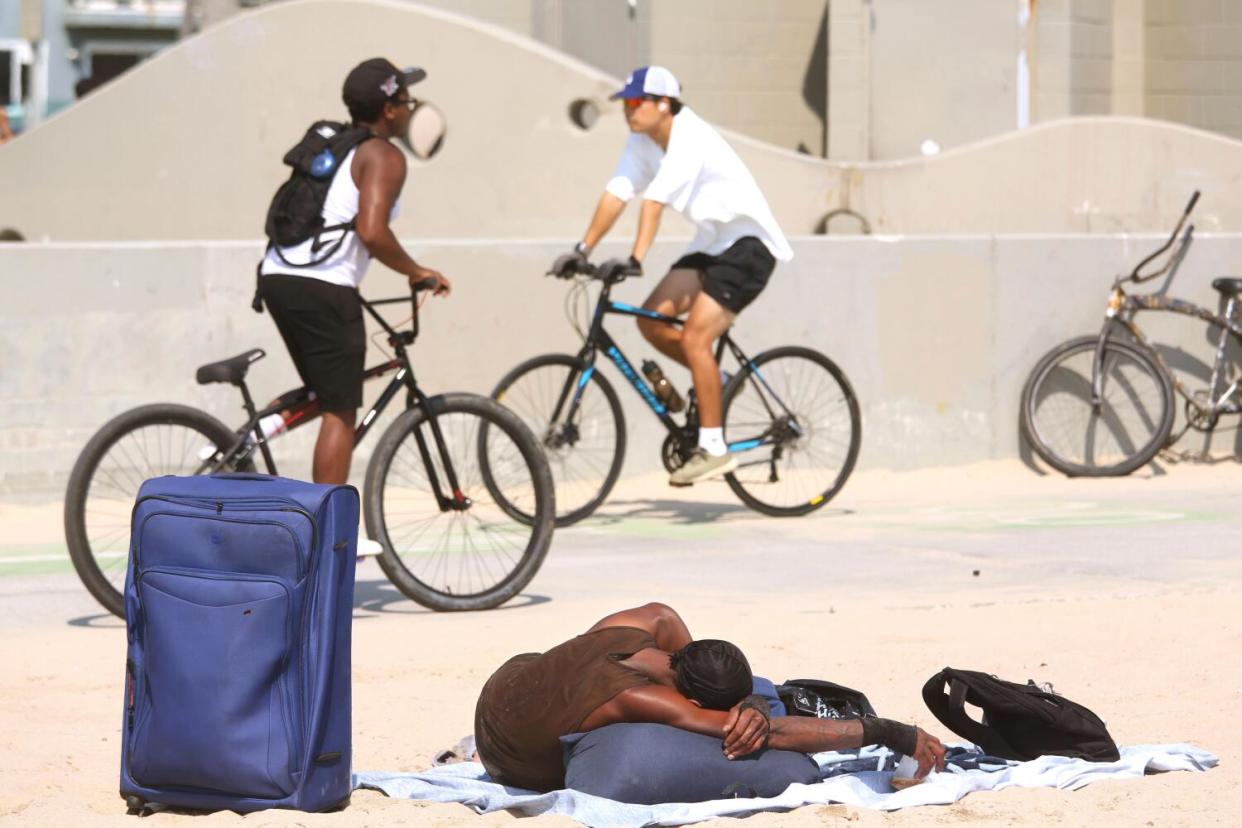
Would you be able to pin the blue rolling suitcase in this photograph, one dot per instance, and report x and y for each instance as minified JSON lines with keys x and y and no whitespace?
{"x":238,"y":602}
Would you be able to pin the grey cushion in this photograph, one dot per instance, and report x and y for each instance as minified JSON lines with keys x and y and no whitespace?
{"x":647,"y":764}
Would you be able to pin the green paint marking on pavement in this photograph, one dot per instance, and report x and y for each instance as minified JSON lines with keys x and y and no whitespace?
{"x":34,"y":559}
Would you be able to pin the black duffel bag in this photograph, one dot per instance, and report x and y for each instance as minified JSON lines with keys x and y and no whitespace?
{"x":1020,"y":721}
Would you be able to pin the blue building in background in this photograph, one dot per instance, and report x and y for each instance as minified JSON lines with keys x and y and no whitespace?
{"x":53,"y":52}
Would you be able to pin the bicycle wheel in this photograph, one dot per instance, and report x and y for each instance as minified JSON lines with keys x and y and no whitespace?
{"x":585,"y":454}
{"x":146,"y":442}
{"x":1132,"y":423}
{"x":469,"y":558}
{"x":800,"y":409}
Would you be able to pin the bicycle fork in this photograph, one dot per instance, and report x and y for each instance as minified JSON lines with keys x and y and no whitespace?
{"x":457,"y":502}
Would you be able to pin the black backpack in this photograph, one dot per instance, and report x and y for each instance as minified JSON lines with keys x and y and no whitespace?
{"x":296,"y":212}
{"x":1020,"y":721}
{"x":823,"y":700}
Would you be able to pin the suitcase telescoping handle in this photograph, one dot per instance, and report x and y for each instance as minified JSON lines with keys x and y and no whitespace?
{"x":244,"y":476}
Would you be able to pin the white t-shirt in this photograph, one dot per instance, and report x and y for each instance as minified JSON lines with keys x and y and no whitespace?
{"x":349,"y":263}
{"x":701,"y":177}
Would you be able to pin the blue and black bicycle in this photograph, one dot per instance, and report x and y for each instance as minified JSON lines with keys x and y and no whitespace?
{"x":789,"y":413}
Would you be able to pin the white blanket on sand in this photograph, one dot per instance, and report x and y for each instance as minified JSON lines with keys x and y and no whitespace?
{"x":469,"y":784}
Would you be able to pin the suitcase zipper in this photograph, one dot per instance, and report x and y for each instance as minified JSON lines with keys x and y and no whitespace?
{"x":219,"y":506}
{"x":304,"y":559}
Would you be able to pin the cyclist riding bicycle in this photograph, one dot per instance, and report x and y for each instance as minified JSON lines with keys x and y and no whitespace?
{"x":313,"y":296}
{"x":676,"y":159}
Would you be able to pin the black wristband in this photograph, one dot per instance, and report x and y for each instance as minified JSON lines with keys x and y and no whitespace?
{"x":902,"y":738}
{"x":757,"y":703}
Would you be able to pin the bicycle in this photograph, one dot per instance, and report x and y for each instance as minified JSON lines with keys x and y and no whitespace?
{"x":1099,"y":406}
{"x":790,"y":411}
{"x":446,"y":544}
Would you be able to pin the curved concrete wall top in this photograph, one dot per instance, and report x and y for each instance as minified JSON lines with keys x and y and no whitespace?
{"x":1075,"y":175}
{"x":187,"y":146}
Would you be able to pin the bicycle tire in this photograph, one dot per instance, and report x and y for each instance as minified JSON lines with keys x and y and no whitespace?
{"x":86,"y":554}
{"x":816,"y":490}
{"x":1073,"y":385}
{"x":389,"y":486}
{"x":576,"y":498}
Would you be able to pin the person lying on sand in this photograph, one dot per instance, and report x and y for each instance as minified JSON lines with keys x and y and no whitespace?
{"x":641,"y":665}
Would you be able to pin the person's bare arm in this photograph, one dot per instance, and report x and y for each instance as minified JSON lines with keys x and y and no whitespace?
{"x":742,"y":731}
{"x":811,"y":735}
{"x":605,"y":216}
{"x":660,"y":620}
{"x":648,"y":224}
{"x":379,"y":172}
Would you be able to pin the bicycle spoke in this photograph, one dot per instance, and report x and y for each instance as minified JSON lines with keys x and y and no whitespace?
{"x":803,"y":414}
{"x":458,"y":553}
{"x":1066,"y":423}
{"x":582,"y":450}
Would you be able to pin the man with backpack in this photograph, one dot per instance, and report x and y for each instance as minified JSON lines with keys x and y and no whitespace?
{"x":325,"y":224}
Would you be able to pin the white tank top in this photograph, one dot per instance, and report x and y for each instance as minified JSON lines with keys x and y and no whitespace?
{"x":348,"y":264}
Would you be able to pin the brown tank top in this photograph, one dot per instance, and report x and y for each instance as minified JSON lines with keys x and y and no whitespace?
{"x":534,"y":699}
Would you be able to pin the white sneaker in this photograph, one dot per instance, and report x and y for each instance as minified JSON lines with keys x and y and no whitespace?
{"x":701,"y":466}
{"x":368,"y":548}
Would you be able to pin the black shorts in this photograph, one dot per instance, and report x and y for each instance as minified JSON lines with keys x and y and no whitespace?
{"x":322,"y":326}
{"x":735,"y":277}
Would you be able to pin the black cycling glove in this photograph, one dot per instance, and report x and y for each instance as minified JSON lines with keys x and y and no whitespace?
{"x":614,"y":270}
{"x":568,"y":264}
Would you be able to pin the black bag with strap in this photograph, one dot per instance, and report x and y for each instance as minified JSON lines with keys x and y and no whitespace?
{"x":823,"y":700}
{"x":296,"y":212}
{"x":1020,"y":721}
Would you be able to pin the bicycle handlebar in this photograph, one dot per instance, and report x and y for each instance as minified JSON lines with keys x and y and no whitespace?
{"x":1137,"y":276}
{"x":395,"y":336}
{"x":591,"y":271}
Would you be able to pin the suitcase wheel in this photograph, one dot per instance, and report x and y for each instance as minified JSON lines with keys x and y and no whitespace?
{"x":135,"y":806}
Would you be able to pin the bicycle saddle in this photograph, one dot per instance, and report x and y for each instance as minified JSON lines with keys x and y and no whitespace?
{"x":229,"y":370}
{"x":1228,"y":285}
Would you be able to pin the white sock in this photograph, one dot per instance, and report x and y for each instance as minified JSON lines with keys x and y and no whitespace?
{"x":711,"y":440}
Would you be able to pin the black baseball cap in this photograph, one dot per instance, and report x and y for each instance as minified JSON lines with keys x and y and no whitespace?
{"x":378,"y":80}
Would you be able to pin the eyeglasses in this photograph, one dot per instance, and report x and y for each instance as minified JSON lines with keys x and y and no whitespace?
{"x":410,"y":103}
{"x":635,"y":103}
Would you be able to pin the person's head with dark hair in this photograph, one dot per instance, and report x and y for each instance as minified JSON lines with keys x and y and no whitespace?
{"x":713,"y":673}
{"x":376,"y":94}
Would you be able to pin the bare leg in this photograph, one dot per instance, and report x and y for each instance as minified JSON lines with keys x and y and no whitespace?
{"x":335,"y":447}
{"x":672,"y":297}
{"x":707,"y":322}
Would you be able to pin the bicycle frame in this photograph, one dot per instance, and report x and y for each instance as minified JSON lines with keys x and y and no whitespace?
{"x":303,"y":409}
{"x":1122,"y":308}
{"x":1121,"y":311}
{"x":598,"y":339}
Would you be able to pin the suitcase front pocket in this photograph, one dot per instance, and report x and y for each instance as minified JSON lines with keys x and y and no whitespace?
{"x":215,"y":713}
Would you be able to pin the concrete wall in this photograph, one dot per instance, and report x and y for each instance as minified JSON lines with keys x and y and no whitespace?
{"x":187,"y":146}
{"x":849,"y":80}
{"x":1194,"y":66}
{"x":756,"y":67}
{"x":926,"y":82}
{"x":1087,"y":175}
{"x":1073,"y":58}
{"x":936,"y":334}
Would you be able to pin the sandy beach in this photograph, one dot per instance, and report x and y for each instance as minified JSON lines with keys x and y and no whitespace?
{"x":1122,"y":593}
